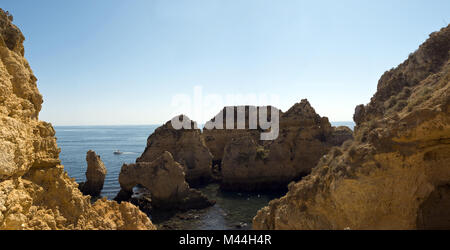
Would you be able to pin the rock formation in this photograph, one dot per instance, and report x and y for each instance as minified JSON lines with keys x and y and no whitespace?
{"x":250,"y":164}
{"x":35,"y":192}
{"x":164,"y":178}
{"x":187,"y":147}
{"x":95,"y":175}
{"x":217,"y":139}
{"x":396,"y":174}
{"x":339,"y":135}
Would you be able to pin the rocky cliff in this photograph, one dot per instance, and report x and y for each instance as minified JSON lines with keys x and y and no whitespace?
{"x":396,"y":174}
{"x":35,"y":192}
{"x":187,"y":147}
{"x":217,"y":139}
{"x":164,"y":178}
{"x":249,"y":164}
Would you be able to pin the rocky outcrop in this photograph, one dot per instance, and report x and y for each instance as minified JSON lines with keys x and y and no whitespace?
{"x":164,"y":178}
{"x":187,"y":147}
{"x":95,"y":175}
{"x":339,"y":135}
{"x":396,"y":173}
{"x":217,"y":139}
{"x":35,"y":192}
{"x":304,"y":137}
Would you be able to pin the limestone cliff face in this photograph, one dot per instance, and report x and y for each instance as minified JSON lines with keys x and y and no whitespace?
{"x":164,"y":178}
{"x":35,"y":192}
{"x":187,"y":147}
{"x":250,"y":164}
{"x":396,"y":174}
{"x":217,"y":139}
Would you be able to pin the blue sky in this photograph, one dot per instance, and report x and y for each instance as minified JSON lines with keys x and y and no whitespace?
{"x":117,"y":62}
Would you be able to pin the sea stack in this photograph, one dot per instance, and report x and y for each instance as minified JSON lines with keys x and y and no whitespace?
{"x":164,"y":178}
{"x":35,"y":191}
{"x":95,"y":175}
{"x":185,"y":145}
{"x":250,"y":164}
{"x":396,"y":173}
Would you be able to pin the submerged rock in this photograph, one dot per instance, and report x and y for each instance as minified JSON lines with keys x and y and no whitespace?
{"x":396,"y":174}
{"x":187,"y":147}
{"x":35,"y":191}
{"x":164,"y":178}
{"x":95,"y":175}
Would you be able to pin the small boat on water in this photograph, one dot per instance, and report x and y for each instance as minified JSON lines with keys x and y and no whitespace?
{"x":117,"y":152}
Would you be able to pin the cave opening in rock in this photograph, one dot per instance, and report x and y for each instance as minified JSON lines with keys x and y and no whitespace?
{"x":434,"y":212}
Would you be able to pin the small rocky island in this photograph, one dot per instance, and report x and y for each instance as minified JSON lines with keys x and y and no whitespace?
{"x":248,"y":164}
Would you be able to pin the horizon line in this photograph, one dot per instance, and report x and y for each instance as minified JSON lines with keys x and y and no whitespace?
{"x":154,"y":124}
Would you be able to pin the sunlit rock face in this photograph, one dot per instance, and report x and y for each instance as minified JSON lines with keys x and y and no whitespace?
{"x":95,"y":175}
{"x":396,"y":173}
{"x":164,"y":178}
{"x":216,"y":139}
{"x":35,"y":192}
{"x":187,"y":148}
{"x":248,"y":163}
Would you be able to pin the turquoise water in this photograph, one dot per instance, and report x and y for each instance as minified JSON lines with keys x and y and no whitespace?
{"x":233,"y":210}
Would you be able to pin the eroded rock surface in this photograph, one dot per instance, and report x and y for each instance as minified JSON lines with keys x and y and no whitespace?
{"x":217,"y":139}
{"x":396,"y":173}
{"x":164,"y":178}
{"x":95,"y":175}
{"x":250,"y":164}
{"x":35,"y":192}
{"x":187,"y":147}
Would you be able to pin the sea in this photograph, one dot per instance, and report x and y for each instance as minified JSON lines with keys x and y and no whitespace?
{"x":232,"y":210}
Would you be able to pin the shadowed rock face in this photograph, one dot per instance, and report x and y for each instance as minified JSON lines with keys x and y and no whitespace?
{"x":217,"y":139}
{"x":339,"y":135}
{"x":187,"y":147}
{"x":164,"y":178}
{"x":250,"y":164}
{"x":35,"y":192}
{"x":95,"y":175}
{"x":396,"y":173}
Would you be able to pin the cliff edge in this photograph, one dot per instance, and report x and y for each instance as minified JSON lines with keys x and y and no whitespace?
{"x":35,"y":191}
{"x":396,"y":173}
